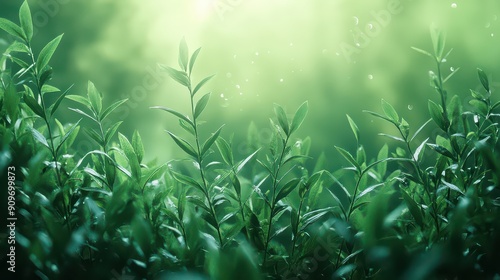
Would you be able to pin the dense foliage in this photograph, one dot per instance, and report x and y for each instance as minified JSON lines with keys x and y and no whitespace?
{"x":421,"y":209}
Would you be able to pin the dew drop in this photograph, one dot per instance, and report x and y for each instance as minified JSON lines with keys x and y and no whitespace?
{"x":487,"y":25}
{"x":246,"y":80}
{"x":281,"y":80}
{"x":225,"y":103}
{"x":452,"y":69}
{"x":355,"y":20}
{"x":234,"y":56}
{"x":291,"y":44}
{"x":370,"y":26}
{"x":454,"y":5}
{"x":229,"y":75}
{"x":257,"y":53}
{"x":370,"y":77}
{"x":410,"y":107}
{"x":241,"y":93}
{"x":222,"y":95}
{"x":492,"y":34}
{"x":358,"y":45}
{"x":238,"y":86}
{"x":252,"y":62}
{"x":337,"y":54}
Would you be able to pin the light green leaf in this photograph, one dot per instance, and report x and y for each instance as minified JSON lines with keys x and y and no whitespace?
{"x":111,"y":108}
{"x":287,"y":189}
{"x":94,"y":98}
{"x":282,"y":118}
{"x":46,"y":53}
{"x":40,"y":138}
{"x":184,"y":145}
{"x":26,"y":21}
{"x":111,"y":131}
{"x":484,"y":79}
{"x":210,"y":141}
{"x":348,"y":157}
{"x":135,"y":167}
{"x":11,"y":28}
{"x":138,"y":146}
{"x":225,"y":151}
{"x":177,"y":75}
{"x":201,"y":83}
{"x":200,"y":106}
{"x":299,"y":117}
{"x":80,"y":99}
{"x":193,"y":59}
{"x":58,"y":101}
{"x":183,"y":54}
{"x":175,"y":113}
{"x":390,"y":112}
{"x":422,"y":52}
{"x":354,"y":127}
{"x":67,"y":135}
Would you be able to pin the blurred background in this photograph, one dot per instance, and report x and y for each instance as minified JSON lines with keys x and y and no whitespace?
{"x":342,"y":56}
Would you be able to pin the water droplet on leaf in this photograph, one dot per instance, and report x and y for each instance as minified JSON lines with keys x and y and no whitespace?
{"x":370,"y":77}
{"x":454,"y":5}
{"x":355,"y":20}
{"x":410,"y":107}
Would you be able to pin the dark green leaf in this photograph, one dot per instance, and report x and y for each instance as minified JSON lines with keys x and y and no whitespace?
{"x":287,"y":189}
{"x":437,"y":114}
{"x":58,"y":101}
{"x":414,"y":209}
{"x":200,"y":106}
{"x":95,"y":136}
{"x":46,"y":53}
{"x":26,"y":21}
{"x":34,"y":106}
{"x":442,"y":150}
{"x":135,"y":167}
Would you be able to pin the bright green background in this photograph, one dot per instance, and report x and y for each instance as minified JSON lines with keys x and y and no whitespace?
{"x":265,"y":52}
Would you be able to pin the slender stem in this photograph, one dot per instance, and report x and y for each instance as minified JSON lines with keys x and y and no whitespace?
{"x":277,"y":168}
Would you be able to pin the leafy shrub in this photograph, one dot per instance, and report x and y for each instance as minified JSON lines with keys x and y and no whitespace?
{"x":419,"y":210}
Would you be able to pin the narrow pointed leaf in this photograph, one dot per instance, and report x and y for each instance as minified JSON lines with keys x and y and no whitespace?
{"x":175,"y":113}
{"x":177,"y":75}
{"x":414,"y":209}
{"x":354,"y":128}
{"x":111,"y":108}
{"x":210,"y":141}
{"x":348,"y":157}
{"x":58,"y":101}
{"x":287,"y":189}
{"x":484,"y":79}
{"x":225,"y":150}
{"x":299,"y":117}
{"x":47,"y":52}
{"x":11,"y":28}
{"x":26,"y":20}
{"x":200,"y":106}
{"x":111,"y":131}
{"x":282,"y":118}
{"x":138,"y":146}
{"x":67,"y":135}
{"x":94,"y":98}
{"x":40,"y":138}
{"x":34,"y":106}
{"x":80,"y":99}
{"x":193,"y":59}
{"x":201,"y":83}
{"x":183,"y":54}
{"x":390,"y":112}
{"x":184,"y":145}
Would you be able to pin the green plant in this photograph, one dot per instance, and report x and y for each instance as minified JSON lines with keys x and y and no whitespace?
{"x":420,"y":209}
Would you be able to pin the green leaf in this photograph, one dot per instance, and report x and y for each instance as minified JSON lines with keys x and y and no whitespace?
{"x":210,"y":141}
{"x":437,"y":42}
{"x":175,"y":113}
{"x":390,"y":112}
{"x":437,"y":114}
{"x":201,"y":83}
{"x":26,"y":21}
{"x":40,"y":138}
{"x":442,"y":150}
{"x":46,"y":53}
{"x":58,"y":101}
{"x":187,"y":127}
{"x":11,"y":99}
{"x":83,"y":114}
{"x":200,"y":106}
{"x":67,"y":135}
{"x":348,"y":157}
{"x":419,"y":150}
{"x":414,"y":209}
{"x":183,"y":179}
{"x":452,"y":187}
{"x":378,"y":116}
{"x":382,"y":154}
{"x":46,"y":88}
{"x":422,"y":52}
{"x":178,"y":76}
{"x":299,"y":117}
{"x":135,"y":167}
{"x":193,"y":59}
{"x":80,"y":99}
{"x":225,"y":151}
{"x":484,"y":79}
{"x":111,"y":108}
{"x":138,"y":146}
{"x":95,"y":136}
{"x":11,"y":28}
{"x":184,"y":145}
{"x":354,"y":127}
{"x":183,"y":54}
{"x":480,"y":106}
{"x":94,"y":98}
{"x":282,"y":119}
{"x":287,"y":189}
{"x":34,"y":106}
{"x":111,"y":131}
